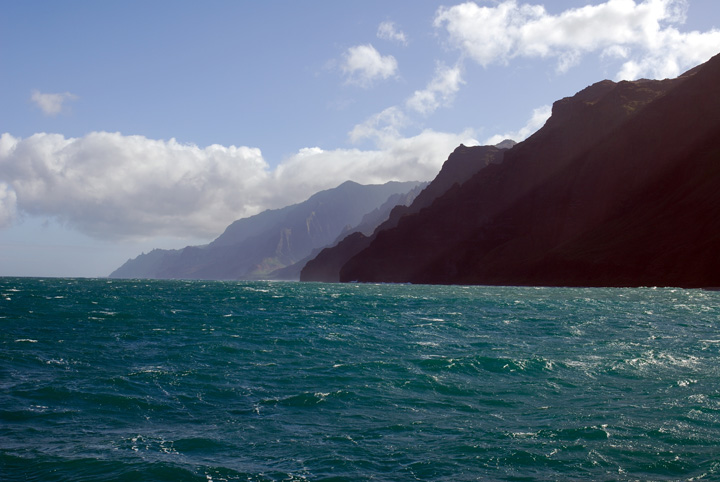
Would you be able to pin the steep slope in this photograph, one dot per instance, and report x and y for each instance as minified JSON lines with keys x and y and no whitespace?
{"x":460,"y":166}
{"x":367,"y":226}
{"x":619,"y":188}
{"x":252,"y":248}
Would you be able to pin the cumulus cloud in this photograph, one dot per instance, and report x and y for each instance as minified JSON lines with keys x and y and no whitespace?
{"x":643,"y":34}
{"x":388,"y":31}
{"x":110,"y":186}
{"x":51,"y":104}
{"x":536,"y":121}
{"x":439,"y":92}
{"x":363,"y":64}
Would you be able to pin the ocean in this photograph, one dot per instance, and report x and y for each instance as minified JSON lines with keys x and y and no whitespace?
{"x":273,"y":381}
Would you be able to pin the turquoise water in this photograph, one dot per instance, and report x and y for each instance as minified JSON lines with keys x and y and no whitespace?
{"x":172,"y":380}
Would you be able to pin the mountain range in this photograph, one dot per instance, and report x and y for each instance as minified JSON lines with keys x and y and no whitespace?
{"x":270,"y":245}
{"x":620,"y":187}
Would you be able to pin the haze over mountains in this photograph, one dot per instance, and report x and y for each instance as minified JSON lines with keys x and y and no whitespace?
{"x":619,"y":188}
{"x":267,"y":245}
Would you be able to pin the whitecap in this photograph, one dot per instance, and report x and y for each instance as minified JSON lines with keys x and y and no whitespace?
{"x":257,"y":290}
{"x":25,"y":340}
{"x":61,"y":362}
{"x":426,"y":343}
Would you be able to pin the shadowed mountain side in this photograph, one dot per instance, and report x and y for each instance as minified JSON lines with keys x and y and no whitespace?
{"x":460,"y":166}
{"x":253,"y":247}
{"x":619,"y":188}
{"x":367,"y":226}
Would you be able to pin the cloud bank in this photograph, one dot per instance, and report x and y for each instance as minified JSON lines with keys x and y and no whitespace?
{"x":642,"y":34}
{"x":109,"y":186}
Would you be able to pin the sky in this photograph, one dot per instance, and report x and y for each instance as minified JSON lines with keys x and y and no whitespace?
{"x":133,"y":125}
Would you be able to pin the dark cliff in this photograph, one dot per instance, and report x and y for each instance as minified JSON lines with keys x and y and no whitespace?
{"x":460,"y":166}
{"x":619,"y":188}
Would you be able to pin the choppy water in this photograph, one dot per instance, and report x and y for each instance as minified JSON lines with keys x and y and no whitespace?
{"x":169,"y":380}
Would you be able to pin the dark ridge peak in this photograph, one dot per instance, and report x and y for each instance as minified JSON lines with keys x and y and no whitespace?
{"x":600,"y":90}
{"x":592,"y":93}
{"x":506,"y":144}
{"x":625,"y":94}
{"x":459,"y":149}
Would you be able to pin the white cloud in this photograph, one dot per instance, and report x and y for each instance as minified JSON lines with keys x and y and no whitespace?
{"x":439,"y":92}
{"x":643,"y":33}
{"x":395,"y":158}
{"x":385,"y":125}
{"x":363,"y":64}
{"x":111,"y":186}
{"x":8,"y":201}
{"x":51,"y":104}
{"x":387,"y":31}
{"x":536,"y":121}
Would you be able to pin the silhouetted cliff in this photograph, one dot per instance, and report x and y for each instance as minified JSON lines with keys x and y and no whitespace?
{"x":619,"y":188}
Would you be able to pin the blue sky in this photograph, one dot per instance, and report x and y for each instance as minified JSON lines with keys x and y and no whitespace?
{"x":132,"y":125}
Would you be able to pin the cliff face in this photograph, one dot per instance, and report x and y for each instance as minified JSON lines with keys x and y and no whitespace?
{"x":460,"y":166}
{"x":255,"y":247}
{"x":366,"y":227}
{"x":619,"y":188}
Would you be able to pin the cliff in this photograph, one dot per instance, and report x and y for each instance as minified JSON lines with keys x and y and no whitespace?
{"x":619,"y":188}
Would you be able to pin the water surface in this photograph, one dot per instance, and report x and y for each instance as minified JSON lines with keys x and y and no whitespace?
{"x":258,"y":381}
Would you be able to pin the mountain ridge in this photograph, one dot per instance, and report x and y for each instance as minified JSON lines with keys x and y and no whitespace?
{"x":257,"y":246}
{"x":573,"y":204}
